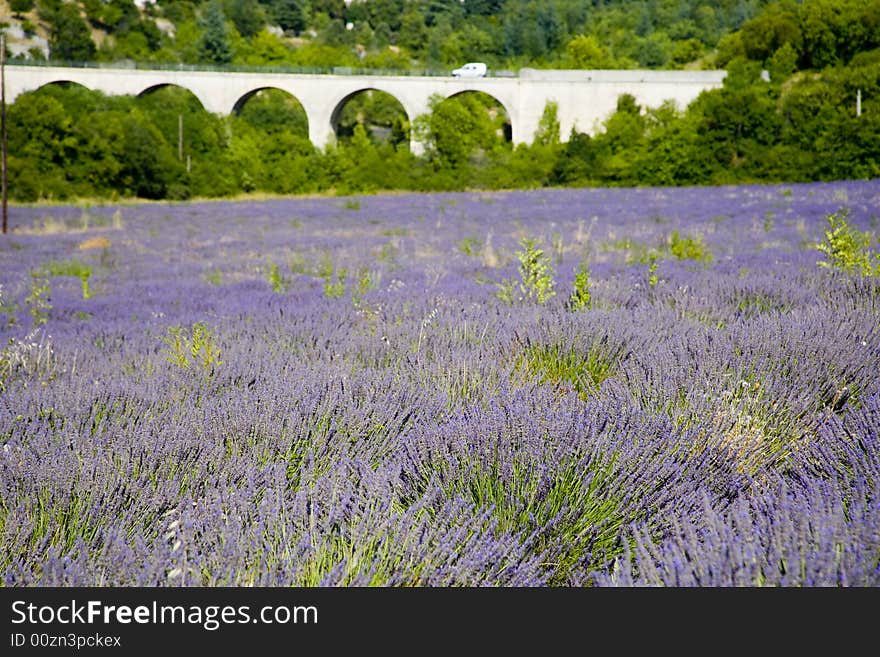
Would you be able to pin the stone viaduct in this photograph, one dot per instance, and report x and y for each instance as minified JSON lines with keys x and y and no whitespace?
{"x":584,"y":97}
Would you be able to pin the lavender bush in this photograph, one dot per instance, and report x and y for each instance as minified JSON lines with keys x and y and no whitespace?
{"x":329,"y":391}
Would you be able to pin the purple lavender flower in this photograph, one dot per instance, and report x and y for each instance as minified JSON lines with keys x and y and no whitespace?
{"x":329,"y":392}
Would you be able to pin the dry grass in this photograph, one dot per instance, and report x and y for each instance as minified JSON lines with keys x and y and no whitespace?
{"x":95,"y":243}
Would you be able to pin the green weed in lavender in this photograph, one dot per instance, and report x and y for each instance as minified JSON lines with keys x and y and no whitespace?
{"x":580,"y":297}
{"x":688,"y":247}
{"x":847,"y":248}
{"x":39,"y":299}
{"x":536,"y":272}
{"x":73,"y":268}
{"x":191,"y":347}
{"x":274,"y":277}
{"x":572,"y":507}
{"x":335,"y":284}
{"x":214,"y":277}
{"x":567,"y":367}
{"x":470,"y":246}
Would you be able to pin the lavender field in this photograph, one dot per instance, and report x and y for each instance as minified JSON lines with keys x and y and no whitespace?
{"x":368,"y":391}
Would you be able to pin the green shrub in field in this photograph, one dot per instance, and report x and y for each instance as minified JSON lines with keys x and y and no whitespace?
{"x":38,"y":301}
{"x":506,"y":291}
{"x":580,"y":296}
{"x":578,"y":503}
{"x":470,"y":246}
{"x":324,"y":268}
{"x":689,"y":248}
{"x":194,"y":346}
{"x":73,"y":268}
{"x":568,"y":367}
{"x":847,"y":248}
{"x":214,"y":277}
{"x":653,"y":278}
{"x":536,"y":272}
{"x":536,"y":277}
{"x":680,"y":247}
{"x":364,"y":281}
{"x":335,"y":285}
{"x":388,"y":252}
{"x":274,"y":277}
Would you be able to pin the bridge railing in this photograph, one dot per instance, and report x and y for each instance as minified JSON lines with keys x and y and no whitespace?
{"x":238,"y":68}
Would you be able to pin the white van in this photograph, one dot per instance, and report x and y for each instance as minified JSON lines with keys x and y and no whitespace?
{"x":470,"y":70}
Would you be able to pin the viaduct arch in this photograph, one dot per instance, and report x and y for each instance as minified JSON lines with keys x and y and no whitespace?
{"x":584,"y":98}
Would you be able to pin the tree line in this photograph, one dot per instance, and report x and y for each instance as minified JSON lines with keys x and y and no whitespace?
{"x":419,"y":34}
{"x":395,"y":34}
{"x":66,"y":141}
{"x":799,"y":103}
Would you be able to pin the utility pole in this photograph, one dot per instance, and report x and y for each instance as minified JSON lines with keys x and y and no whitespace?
{"x":3,"y":126}
{"x":179,"y":137}
{"x":859,"y":102}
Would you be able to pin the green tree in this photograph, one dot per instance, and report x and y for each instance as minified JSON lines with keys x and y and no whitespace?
{"x":585,"y":51}
{"x":149,"y":165}
{"x":413,"y":33}
{"x":852,"y":147}
{"x":100,"y":152}
{"x":69,"y":38}
{"x":41,"y":129}
{"x":616,"y":146}
{"x":774,"y":27}
{"x":264,"y":49}
{"x":686,"y":51}
{"x":118,"y":15}
{"x":782,"y":63}
{"x":729,"y":47}
{"x":335,"y":34}
{"x":577,"y":161}
{"x":484,"y":7}
{"x":547,"y":133}
{"x":653,"y":52}
{"x":385,"y":12}
{"x":20,"y":7}
{"x":820,"y":38}
{"x":291,"y":15}
{"x":214,"y":45}
{"x":708,"y":24}
{"x":378,"y":112}
{"x":387,"y":59}
{"x":332,"y":8}
{"x":458,"y":128}
{"x":670,"y":153}
{"x":366,"y":166}
{"x":246,"y":15}
{"x":848,"y":248}
{"x":739,"y":121}
{"x":272,"y":111}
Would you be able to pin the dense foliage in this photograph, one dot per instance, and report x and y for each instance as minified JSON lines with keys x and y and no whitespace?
{"x":815,"y":118}
{"x":508,"y":34}
{"x":67,"y":142}
{"x":555,"y":387}
{"x":392,"y":33}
